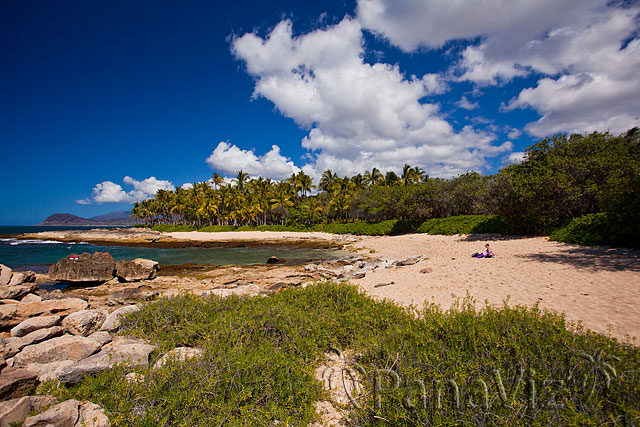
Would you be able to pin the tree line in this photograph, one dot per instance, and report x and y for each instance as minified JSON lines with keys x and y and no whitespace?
{"x":560,"y":178}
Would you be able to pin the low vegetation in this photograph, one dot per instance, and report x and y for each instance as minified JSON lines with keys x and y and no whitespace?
{"x":508,"y":366}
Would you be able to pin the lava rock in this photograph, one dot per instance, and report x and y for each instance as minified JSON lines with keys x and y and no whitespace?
{"x":95,"y":267}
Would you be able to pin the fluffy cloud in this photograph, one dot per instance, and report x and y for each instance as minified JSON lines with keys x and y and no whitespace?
{"x":359,"y":115}
{"x":587,"y":52}
{"x":465,"y":104}
{"x":229,"y":159}
{"x":110,"y":192}
{"x":83,"y":202}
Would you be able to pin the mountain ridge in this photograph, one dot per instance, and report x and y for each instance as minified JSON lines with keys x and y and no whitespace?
{"x":111,"y":218}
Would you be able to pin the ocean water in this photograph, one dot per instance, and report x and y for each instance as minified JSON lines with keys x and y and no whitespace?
{"x":37,"y":255}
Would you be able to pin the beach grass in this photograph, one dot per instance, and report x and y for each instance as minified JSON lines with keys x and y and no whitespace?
{"x":509,"y":365}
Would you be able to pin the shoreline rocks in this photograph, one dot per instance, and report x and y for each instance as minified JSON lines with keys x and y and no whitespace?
{"x":95,"y":267}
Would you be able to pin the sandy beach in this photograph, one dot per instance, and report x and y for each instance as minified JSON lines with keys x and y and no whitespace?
{"x":598,"y":286}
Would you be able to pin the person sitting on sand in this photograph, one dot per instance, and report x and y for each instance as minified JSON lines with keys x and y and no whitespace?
{"x":488,"y":253}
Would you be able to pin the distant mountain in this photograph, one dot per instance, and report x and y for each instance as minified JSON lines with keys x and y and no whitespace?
{"x":67,"y":219}
{"x":111,"y":218}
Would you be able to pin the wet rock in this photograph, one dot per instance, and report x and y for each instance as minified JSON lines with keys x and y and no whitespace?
{"x":274,"y":260}
{"x":34,"y":337}
{"x":84,"y":322}
{"x":22,"y":277}
{"x":16,"y":383}
{"x":34,"y":324}
{"x":137,"y":269}
{"x":5,"y":275}
{"x":178,"y":354}
{"x":129,"y":294}
{"x":112,"y":322}
{"x":63,"y":414}
{"x":96,"y":267}
{"x":67,"y":347}
{"x":13,"y":314}
{"x":131,"y":354}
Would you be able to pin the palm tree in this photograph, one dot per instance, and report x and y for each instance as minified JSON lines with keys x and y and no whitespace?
{"x":217,"y":180}
{"x":327,"y":181}
{"x":373,"y":177}
{"x":281,"y":200}
{"x":304,"y":183}
{"x":391,"y":178}
{"x":241,"y":179}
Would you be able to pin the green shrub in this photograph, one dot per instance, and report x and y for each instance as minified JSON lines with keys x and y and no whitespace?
{"x":591,"y":229}
{"x":260,"y":355}
{"x":465,"y":224}
{"x":383,"y":228}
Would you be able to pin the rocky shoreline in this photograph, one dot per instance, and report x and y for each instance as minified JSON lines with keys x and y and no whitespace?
{"x":148,"y":238}
{"x":65,"y":335}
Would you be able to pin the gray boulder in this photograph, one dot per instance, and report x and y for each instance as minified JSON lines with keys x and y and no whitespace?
{"x":15,"y":411}
{"x":112,"y":322}
{"x":5,"y":275}
{"x":16,"y":292}
{"x":132,"y":354}
{"x":34,"y":324}
{"x":84,"y":322}
{"x":137,"y":269}
{"x":67,"y":347}
{"x":141,"y":293}
{"x":95,"y":267}
{"x":178,"y":354}
{"x":16,"y":383}
{"x":12,"y":314}
{"x":22,"y":277}
{"x":63,"y":414}
{"x":32,"y":338}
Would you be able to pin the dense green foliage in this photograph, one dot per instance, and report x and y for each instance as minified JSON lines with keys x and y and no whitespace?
{"x":260,"y":355}
{"x":560,"y":179}
{"x":590,"y":229}
{"x":465,"y":224}
{"x":382,"y":228}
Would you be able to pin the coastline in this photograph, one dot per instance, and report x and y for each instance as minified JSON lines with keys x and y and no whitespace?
{"x":598,"y":286}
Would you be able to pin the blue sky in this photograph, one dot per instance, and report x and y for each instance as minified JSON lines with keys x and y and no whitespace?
{"x":102,"y":103}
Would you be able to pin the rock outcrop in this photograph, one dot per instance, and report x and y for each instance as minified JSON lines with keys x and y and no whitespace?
{"x":33,"y":324}
{"x":96,"y":267}
{"x":137,"y":269}
{"x":112,"y":322}
{"x":16,"y":383}
{"x":5,"y":275}
{"x":84,"y":322}
{"x":67,"y":347}
{"x":13,"y":314}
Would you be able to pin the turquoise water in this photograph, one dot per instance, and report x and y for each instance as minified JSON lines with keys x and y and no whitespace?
{"x":38,"y":255}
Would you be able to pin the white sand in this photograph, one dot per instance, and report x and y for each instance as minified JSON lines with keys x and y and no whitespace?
{"x":599,"y":286}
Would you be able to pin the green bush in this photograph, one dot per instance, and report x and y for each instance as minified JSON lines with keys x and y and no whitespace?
{"x":260,"y":355}
{"x":465,"y":224}
{"x":383,"y":228}
{"x":591,"y":229}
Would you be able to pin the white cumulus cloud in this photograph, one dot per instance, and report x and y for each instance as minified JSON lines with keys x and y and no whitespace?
{"x":110,"y":192}
{"x":465,"y":104}
{"x":229,"y":159}
{"x":359,"y":115}
{"x":587,"y":53}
